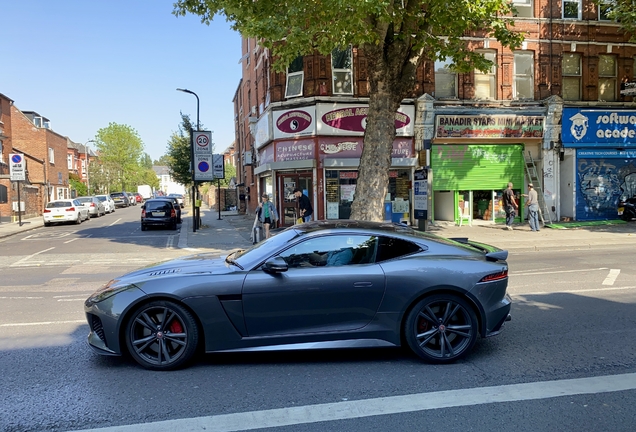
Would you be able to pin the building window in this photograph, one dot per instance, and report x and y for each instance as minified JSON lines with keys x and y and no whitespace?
{"x":606,"y":78}
{"x":342,"y":71}
{"x":51,"y":156}
{"x":1,"y":151}
{"x":523,"y":86}
{"x":524,"y":8}
{"x":604,"y":8}
{"x":445,"y":80}
{"x":69,"y":161}
{"x":571,"y":65}
{"x":295,"y":78}
{"x":485,"y":87}
{"x":572,"y":9}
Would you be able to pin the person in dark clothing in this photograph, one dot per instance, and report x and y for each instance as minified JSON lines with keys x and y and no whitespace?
{"x":304,"y":205}
{"x":510,"y":206}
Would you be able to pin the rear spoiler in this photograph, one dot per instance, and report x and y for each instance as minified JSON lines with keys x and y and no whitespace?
{"x":492,"y":253}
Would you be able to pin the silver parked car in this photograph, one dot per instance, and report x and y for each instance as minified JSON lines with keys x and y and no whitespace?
{"x":95,"y":207}
{"x":109,"y":204}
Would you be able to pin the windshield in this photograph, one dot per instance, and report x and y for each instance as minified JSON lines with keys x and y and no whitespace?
{"x":260,"y":251}
{"x":101,"y":197}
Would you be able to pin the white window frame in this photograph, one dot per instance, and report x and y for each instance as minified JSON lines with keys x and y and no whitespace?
{"x":341,"y":74}
{"x":295,"y":77}
{"x":1,"y":151}
{"x":51,"y":155}
{"x":519,"y":76}
{"x":525,"y":8}
{"x":69,"y":161}
{"x":610,"y":79}
{"x":578,"y":76}
{"x":490,"y":77}
{"x":602,"y":5}
{"x":579,"y":4}
{"x":444,"y":74}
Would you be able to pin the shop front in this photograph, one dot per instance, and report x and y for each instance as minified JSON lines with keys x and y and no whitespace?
{"x":599,"y":159}
{"x":473,"y":157}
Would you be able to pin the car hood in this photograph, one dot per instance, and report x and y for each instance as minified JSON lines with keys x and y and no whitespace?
{"x":206,"y":263}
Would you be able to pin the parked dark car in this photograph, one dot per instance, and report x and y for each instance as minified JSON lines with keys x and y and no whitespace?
{"x":121,"y":199}
{"x":158,"y":212}
{"x":324,"y":283}
{"x":177,"y":205}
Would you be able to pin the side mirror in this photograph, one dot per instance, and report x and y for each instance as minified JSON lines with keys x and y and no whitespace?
{"x":275,"y":265}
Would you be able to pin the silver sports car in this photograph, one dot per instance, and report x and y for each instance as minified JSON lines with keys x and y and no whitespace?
{"x":319,"y":284}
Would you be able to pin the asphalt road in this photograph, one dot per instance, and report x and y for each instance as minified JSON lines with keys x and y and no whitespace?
{"x":566,"y":361}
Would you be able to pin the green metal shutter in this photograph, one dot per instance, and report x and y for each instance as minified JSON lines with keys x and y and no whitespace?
{"x":476,"y":166}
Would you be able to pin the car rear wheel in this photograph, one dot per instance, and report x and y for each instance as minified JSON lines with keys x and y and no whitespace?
{"x":143,"y":227}
{"x":441,"y":328}
{"x":162,"y":335}
{"x":79,"y":219}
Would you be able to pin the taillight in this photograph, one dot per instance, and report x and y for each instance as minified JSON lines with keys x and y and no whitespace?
{"x":173,"y":213}
{"x":495,"y":276}
{"x":47,"y":211}
{"x":70,"y":209}
{"x":92,"y":204}
{"x":143,"y":213}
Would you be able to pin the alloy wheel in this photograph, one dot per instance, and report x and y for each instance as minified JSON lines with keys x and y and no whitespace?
{"x":162,"y":335}
{"x":441,"y":328}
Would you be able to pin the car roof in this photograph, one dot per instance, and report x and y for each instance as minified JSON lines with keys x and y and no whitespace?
{"x":388,"y":227}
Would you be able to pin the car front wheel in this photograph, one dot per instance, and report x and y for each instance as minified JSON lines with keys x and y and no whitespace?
{"x":441,"y":328}
{"x":162,"y":335}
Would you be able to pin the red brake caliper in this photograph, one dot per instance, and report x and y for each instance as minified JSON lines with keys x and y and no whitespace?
{"x":176,"y":327}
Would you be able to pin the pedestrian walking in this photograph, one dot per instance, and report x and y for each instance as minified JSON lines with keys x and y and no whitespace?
{"x":533,"y":208}
{"x":267,"y":214}
{"x":510,"y":206}
{"x":304,"y":205}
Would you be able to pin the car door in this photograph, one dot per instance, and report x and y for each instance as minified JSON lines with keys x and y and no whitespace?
{"x":320,"y":292}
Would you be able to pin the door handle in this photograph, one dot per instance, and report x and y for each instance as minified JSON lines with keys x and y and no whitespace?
{"x":362,"y":284}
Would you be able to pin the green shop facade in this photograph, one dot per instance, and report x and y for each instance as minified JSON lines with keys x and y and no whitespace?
{"x":472,"y":159}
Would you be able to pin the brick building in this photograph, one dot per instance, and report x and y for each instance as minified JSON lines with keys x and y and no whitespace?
{"x":6,"y":148}
{"x":46,"y":154}
{"x":560,"y":103}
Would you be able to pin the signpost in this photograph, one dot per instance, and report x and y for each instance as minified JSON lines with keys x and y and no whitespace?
{"x":218,"y":172}
{"x":17,"y":171}
{"x":420,"y":197}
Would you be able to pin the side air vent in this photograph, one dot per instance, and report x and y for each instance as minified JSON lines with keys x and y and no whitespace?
{"x":164,"y":272}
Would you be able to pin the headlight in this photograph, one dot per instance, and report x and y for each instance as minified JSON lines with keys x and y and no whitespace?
{"x":108,"y":290}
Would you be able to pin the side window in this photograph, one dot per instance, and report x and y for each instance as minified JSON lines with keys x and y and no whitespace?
{"x":389,"y":248}
{"x":295,"y":78}
{"x":331,"y":251}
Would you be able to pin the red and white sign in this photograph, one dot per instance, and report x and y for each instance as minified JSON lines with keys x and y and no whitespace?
{"x":296,"y":122}
{"x":351,"y":119}
{"x":203,"y":142}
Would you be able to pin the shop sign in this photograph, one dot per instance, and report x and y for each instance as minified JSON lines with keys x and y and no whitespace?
{"x":348,"y":174}
{"x":351,"y":119}
{"x":352,"y":148}
{"x":628,"y":89}
{"x":598,"y":128}
{"x":420,"y":193}
{"x":262,"y":132}
{"x":294,"y":122}
{"x":489,"y":126}
{"x":266,"y":155}
{"x":295,"y":150}
{"x":606,"y":154}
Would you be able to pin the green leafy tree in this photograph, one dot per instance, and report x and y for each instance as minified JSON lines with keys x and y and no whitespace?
{"x":77,"y":185}
{"x":178,"y":152}
{"x":162,"y":161}
{"x":396,"y":37}
{"x":230,"y":171}
{"x":623,"y":12}
{"x":120,"y":150}
{"x":145,"y":161}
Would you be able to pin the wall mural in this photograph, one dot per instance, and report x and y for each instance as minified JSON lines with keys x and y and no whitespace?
{"x":601,"y":183}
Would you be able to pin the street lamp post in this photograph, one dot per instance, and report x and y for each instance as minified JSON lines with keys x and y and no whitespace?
{"x":88,"y":187}
{"x":195,"y":210}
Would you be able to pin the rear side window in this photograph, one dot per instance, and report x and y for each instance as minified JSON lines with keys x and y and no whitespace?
{"x":389,"y":248}
{"x":59,"y":204}
{"x":84,"y":200}
{"x":158,"y":205}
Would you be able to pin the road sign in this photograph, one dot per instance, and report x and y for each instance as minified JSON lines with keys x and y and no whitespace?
{"x":203,"y":167}
{"x":203,"y":142}
{"x":219,"y":166}
{"x":17,"y":167}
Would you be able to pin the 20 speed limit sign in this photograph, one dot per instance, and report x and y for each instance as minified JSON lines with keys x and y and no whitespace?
{"x":202,"y":141}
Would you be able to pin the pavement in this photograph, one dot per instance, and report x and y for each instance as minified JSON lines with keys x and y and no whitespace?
{"x":231,"y":230}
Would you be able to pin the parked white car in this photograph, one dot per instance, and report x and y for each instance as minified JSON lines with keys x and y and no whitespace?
{"x":65,"y":210}
{"x":109,"y":204}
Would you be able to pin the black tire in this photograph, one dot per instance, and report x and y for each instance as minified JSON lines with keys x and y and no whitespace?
{"x":47,"y":224}
{"x":173,"y":226}
{"x":79,"y":218}
{"x":162,"y":335}
{"x":441,"y":328}
{"x":143,"y":227}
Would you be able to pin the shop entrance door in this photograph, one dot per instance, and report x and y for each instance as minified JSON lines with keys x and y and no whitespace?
{"x":287,"y":182}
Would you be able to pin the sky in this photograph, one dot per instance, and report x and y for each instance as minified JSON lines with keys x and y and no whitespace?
{"x":86,"y":63}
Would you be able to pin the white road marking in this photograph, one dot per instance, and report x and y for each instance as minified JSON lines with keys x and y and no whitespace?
{"x":17,"y":263}
{"x":115,"y":222}
{"x":21,"y":298}
{"x":533,"y":273}
{"x":573,"y":291}
{"x":170,"y":242}
{"x":43,"y":323}
{"x":71,"y":240}
{"x":386,"y":405}
{"x":611,"y":277}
